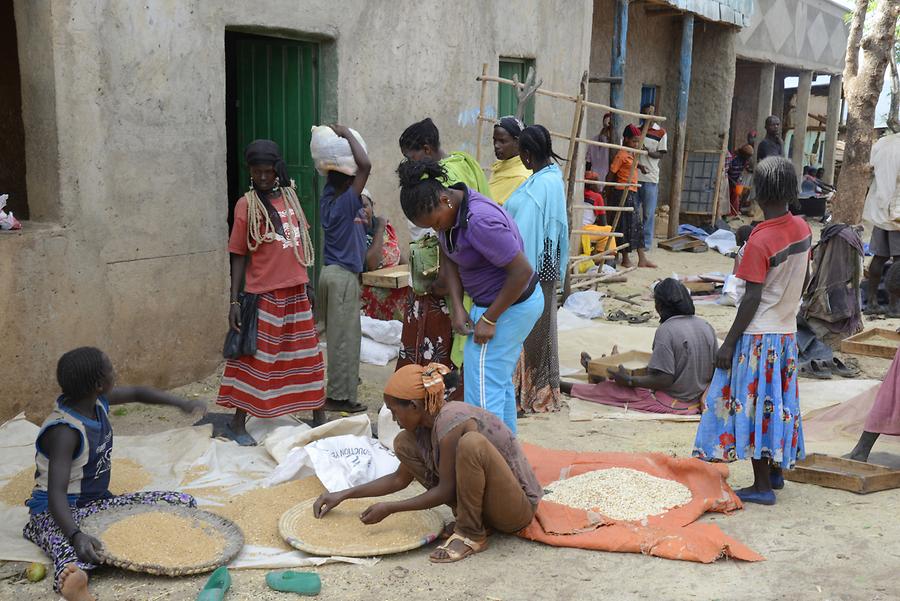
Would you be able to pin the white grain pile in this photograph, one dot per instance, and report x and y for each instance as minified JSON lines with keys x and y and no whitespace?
{"x":619,"y":493}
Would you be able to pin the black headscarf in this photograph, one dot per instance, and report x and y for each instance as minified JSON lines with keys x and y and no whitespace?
{"x":673,"y":298}
{"x":512,"y":125}
{"x":266,"y":152}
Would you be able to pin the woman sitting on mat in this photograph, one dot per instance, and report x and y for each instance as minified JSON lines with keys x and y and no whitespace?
{"x":508,"y":172}
{"x":383,"y":251}
{"x":73,"y":466}
{"x":884,"y":417}
{"x":752,"y":408}
{"x":464,"y":456}
{"x":481,"y":253}
{"x":680,"y":369}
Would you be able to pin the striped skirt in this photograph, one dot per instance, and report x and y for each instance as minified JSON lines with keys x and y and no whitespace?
{"x":287,"y":373}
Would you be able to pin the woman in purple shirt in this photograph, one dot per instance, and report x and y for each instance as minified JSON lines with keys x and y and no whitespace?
{"x":481,"y":253}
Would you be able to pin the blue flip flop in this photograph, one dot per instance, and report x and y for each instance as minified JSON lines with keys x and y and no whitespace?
{"x":245,"y":440}
{"x":760,"y":498}
{"x":288,"y":581}
{"x":217,"y":585}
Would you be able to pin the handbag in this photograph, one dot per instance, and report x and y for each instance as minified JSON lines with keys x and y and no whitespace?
{"x":239,"y":344}
{"x":424,"y":262}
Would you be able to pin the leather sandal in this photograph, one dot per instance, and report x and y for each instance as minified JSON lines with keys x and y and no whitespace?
{"x":453,"y":555}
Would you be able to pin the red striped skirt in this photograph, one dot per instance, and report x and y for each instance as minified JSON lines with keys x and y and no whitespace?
{"x":287,"y":373}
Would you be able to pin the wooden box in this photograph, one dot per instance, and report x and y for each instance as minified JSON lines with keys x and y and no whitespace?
{"x":683,"y":243}
{"x":845,"y":474}
{"x":635,"y":363}
{"x":389,"y":277}
{"x":700,"y":287}
{"x":876,"y":342}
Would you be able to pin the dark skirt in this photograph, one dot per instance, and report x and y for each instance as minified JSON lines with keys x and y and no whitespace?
{"x":631,"y":224}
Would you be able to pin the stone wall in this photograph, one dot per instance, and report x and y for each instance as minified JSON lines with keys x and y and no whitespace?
{"x":124,"y":115}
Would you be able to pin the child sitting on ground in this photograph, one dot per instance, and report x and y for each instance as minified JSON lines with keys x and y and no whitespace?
{"x":74,"y":462}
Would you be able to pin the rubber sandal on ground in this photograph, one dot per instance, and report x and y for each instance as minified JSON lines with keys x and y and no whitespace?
{"x":215,"y":588}
{"x":289,"y":581}
{"x":245,"y":440}
{"x":617,"y":316}
{"x":810,"y":370}
{"x":844,"y":370}
{"x":345,"y":406}
{"x":822,"y":368}
{"x":454,"y":556}
{"x":642,"y":318}
{"x":776,"y":479}
{"x":760,"y":498}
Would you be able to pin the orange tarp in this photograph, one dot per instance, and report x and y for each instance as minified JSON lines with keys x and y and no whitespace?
{"x":673,"y":535}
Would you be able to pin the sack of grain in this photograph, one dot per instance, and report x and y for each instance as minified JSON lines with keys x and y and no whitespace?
{"x":331,"y":152}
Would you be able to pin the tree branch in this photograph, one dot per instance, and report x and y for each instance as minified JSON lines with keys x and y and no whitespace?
{"x":893,"y":120}
{"x":851,"y":67}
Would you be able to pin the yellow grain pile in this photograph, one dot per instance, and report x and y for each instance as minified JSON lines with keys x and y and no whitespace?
{"x":127,"y":476}
{"x":341,"y":532}
{"x":619,"y":493}
{"x":256,"y":512}
{"x":159,"y":538}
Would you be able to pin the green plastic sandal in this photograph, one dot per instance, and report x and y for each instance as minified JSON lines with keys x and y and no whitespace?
{"x":302,"y":583}
{"x":215,"y":588}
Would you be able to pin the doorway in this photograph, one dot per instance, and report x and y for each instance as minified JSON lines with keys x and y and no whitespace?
{"x":271,"y":91}
{"x":12,"y":129}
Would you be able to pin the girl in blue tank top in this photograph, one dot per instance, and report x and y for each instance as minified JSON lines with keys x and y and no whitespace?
{"x":73,"y":461}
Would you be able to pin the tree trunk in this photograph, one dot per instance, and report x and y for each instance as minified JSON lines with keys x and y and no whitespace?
{"x":893,"y":120}
{"x":862,"y":87}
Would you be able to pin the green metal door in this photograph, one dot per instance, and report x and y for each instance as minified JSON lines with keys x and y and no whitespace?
{"x":277,"y":99}
{"x":507,"y":101}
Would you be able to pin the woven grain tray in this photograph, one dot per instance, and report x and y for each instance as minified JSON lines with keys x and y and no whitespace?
{"x":419,"y":528}
{"x":95,"y":525}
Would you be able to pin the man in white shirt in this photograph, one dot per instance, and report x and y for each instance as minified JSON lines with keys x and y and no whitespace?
{"x":656,"y":145}
{"x":882,"y":210}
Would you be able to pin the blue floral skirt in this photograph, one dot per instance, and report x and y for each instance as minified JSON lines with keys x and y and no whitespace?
{"x":752,"y":411}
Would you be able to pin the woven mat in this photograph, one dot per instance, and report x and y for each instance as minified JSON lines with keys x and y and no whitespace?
{"x":96,"y":524}
{"x":419,"y":529}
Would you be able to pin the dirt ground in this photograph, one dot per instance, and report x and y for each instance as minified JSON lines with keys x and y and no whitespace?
{"x":820,"y":544}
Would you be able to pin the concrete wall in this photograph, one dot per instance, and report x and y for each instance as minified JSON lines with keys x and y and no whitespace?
{"x":652,"y":58}
{"x":124,"y":114}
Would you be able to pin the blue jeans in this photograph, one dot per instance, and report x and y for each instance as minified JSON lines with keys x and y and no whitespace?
{"x":647,"y":198}
{"x":488,"y":368}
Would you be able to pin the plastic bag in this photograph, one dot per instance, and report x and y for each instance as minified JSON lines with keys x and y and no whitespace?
{"x":722,"y":241}
{"x":239,"y":344}
{"x":388,"y":429}
{"x":587,"y":304}
{"x":344,"y":461}
{"x":8,"y":221}
{"x":733,"y":291}
{"x":385,"y":332}
{"x":424,"y":263}
{"x":330,"y":152}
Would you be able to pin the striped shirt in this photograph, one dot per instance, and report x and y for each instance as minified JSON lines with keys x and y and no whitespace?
{"x":777,"y":256}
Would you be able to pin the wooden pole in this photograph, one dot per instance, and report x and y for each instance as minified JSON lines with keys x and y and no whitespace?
{"x":617,"y":67}
{"x":719,"y":175}
{"x":481,"y":115}
{"x":684,"y":90}
{"x":571,"y":175}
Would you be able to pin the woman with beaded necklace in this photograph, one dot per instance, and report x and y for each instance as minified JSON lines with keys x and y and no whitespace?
{"x":270,"y":252}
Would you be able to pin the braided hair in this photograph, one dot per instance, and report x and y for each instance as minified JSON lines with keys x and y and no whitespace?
{"x":535,"y":140}
{"x":420,"y":134}
{"x":421,"y":184}
{"x":775,"y":181}
{"x":81,"y":371}
{"x":672,"y":299}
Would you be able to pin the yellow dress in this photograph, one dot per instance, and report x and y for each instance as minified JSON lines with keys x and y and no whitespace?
{"x":506,"y":176}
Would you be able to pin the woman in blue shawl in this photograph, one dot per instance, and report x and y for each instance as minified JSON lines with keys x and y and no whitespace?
{"x":539,"y":209}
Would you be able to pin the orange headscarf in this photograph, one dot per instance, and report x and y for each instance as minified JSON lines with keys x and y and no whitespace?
{"x":417,"y":383}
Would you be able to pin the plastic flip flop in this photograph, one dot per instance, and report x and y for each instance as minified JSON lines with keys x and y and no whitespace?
{"x":642,"y":318}
{"x":215,"y":588}
{"x":844,"y":370}
{"x":617,"y":316}
{"x":245,"y":440}
{"x":811,"y":370}
{"x":760,"y":498}
{"x":289,"y":581}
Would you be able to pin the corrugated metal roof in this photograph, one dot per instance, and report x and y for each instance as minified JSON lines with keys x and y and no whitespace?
{"x":734,"y":12}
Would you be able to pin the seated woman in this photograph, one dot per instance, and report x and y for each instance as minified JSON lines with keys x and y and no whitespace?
{"x":383,"y":251}
{"x":884,"y":417}
{"x":681,"y":367}
{"x":462,"y":454}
